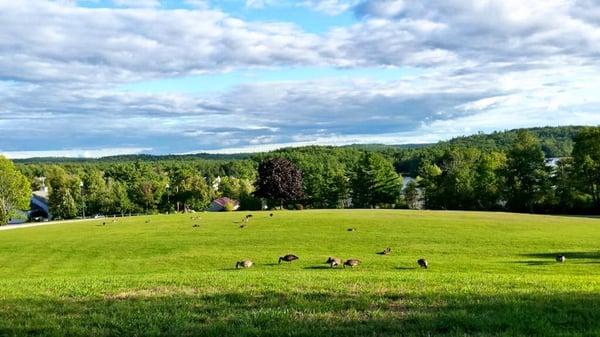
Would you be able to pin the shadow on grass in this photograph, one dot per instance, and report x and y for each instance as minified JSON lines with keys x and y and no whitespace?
{"x":588,"y":216}
{"x":319,"y":267}
{"x":568,"y":255}
{"x":148,"y":313}
{"x":406,"y":268}
{"x":545,"y":259}
{"x":536,"y":262}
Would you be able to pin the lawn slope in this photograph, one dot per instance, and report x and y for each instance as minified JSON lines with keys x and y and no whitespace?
{"x":491,"y":274}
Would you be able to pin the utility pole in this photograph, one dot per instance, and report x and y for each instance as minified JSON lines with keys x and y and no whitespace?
{"x":82,"y":199}
{"x":168,"y":199}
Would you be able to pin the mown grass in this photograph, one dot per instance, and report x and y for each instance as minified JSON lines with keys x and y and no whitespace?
{"x":491,"y":274}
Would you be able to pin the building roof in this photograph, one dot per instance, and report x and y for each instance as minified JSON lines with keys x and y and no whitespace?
{"x":224,"y":200}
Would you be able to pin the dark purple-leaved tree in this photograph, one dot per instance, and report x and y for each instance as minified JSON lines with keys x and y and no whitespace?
{"x":279,"y":180}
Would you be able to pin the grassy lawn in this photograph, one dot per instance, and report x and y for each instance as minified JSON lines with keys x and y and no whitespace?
{"x":491,"y":274}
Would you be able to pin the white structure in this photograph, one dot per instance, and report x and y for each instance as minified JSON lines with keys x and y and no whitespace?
{"x":216,"y":183}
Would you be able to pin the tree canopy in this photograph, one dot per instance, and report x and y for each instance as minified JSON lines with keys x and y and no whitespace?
{"x":499,"y":171}
{"x":15,"y":190}
{"x":586,"y":156}
{"x":279,"y":180}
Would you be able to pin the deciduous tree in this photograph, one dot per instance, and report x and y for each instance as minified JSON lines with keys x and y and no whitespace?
{"x":15,"y":190}
{"x":279,"y":180}
{"x":586,"y":156}
{"x":527,"y":175}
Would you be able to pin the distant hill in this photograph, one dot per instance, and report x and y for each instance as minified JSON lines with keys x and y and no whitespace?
{"x":556,"y":142}
{"x":136,"y":157}
{"x":383,"y":147}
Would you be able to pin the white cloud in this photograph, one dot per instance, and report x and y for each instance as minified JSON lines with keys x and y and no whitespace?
{"x":137,"y":3}
{"x":74,"y":153}
{"x":330,"y":7}
{"x":61,"y":65}
{"x":260,"y":3}
{"x":47,"y":41}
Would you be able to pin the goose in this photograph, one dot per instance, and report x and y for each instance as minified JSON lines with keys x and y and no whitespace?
{"x":351,"y":263}
{"x":333,"y":262}
{"x":422,"y":263}
{"x":560,"y":258}
{"x":386,"y":251}
{"x":244,"y":264}
{"x":288,"y":258}
{"x":352,"y":229}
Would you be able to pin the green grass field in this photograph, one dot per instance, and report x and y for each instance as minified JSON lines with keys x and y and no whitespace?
{"x":491,"y":274}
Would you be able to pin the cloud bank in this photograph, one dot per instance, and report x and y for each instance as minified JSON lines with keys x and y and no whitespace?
{"x":481,"y":66}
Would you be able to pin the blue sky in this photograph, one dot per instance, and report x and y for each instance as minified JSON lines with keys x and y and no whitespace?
{"x":101,"y":77}
{"x":269,"y":11}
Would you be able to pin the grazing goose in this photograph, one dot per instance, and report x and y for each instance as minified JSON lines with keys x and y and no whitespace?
{"x":560,"y":258}
{"x":244,"y":264}
{"x":288,"y":258}
{"x":386,"y":251}
{"x":351,"y":263}
{"x":352,"y":229}
{"x":333,"y":262}
{"x":422,"y":263}
{"x":271,"y":215}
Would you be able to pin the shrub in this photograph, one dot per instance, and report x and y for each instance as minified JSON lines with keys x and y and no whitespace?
{"x":229,"y":206}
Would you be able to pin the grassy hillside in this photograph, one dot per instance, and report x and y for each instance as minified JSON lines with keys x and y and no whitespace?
{"x":490,"y":274}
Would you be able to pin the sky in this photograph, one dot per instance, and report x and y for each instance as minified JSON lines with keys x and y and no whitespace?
{"x":93,"y":78}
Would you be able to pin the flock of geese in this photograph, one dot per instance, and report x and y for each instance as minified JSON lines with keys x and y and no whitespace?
{"x":334,"y":262}
{"x":331,"y":261}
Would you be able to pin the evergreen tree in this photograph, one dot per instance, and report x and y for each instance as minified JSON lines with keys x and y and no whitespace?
{"x":375,"y":182}
{"x":526,"y":174}
{"x":412,"y":195}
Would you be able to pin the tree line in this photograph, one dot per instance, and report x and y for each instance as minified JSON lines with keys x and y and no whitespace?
{"x":502,"y":171}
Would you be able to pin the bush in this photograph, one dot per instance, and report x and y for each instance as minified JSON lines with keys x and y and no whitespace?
{"x":229,"y":206}
{"x":299,"y":207}
{"x":250,"y":203}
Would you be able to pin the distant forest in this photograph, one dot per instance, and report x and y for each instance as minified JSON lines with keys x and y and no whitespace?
{"x":556,"y":142}
{"x":500,"y":171}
